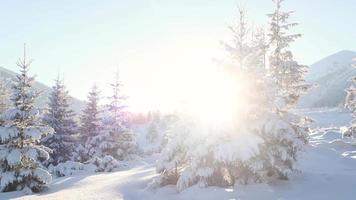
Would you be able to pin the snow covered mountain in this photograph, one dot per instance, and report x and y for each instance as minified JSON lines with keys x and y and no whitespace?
{"x":7,"y":76}
{"x":329,"y":77}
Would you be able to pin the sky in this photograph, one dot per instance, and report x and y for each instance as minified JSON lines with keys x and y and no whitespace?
{"x":158,"y":46}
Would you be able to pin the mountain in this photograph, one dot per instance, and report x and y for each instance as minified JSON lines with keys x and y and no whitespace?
{"x":8,"y":76}
{"x":329,"y":78}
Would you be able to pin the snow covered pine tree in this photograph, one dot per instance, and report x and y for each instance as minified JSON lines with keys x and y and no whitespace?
{"x":20,"y":152}
{"x":265,"y":144}
{"x":224,"y":154}
{"x":115,"y":138}
{"x":90,"y":125}
{"x":61,"y":118}
{"x":285,"y":132}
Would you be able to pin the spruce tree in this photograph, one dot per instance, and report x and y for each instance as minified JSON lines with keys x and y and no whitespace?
{"x":248,"y":46}
{"x":287,"y":73}
{"x":269,"y":135}
{"x":285,"y":132}
{"x":240,"y":48}
{"x":117,"y":104}
{"x":259,"y":50}
{"x":20,"y":151}
{"x":61,"y":118}
{"x":118,"y":127}
{"x":115,"y":138}
{"x":90,"y":122}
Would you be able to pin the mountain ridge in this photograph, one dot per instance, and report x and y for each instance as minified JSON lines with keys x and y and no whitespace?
{"x":330,"y":77}
{"x":8,"y":76}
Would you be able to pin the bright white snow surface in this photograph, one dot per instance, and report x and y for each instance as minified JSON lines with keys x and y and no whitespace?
{"x":328,"y":171}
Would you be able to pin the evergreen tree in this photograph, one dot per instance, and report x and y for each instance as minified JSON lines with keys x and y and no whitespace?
{"x":284,"y":133}
{"x":118,"y":128}
{"x":90,"y":120}
{"x":240,"y":48}
{"x":268,"y":136}
{"x":90,"y":125}
{"x":61,"y":118}
{"x":248,"y":47}
{"x":117,"y":104}
{"x":287,"y":73}
{"x":259,"y":48}
{"x":20,"y":152}
{"x":115,"y":138}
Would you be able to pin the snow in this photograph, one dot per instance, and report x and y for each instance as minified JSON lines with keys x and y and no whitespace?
{"x":329,"y":76}
{"x":328,"y":171}
{"x":69,"y":168}
{"x":7,"y":133}
{"x":248,"y":147}
{"x":14,"y":157}
{"x":42,"y":175}
{"x":6,"y":178}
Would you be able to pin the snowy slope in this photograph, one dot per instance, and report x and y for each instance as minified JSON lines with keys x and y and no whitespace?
{"x":330,"y":77}
{"x":328,"y":171}
{"x":7,"y":76}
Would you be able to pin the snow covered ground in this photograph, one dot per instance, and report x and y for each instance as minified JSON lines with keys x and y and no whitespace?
{"x":328,"y":171}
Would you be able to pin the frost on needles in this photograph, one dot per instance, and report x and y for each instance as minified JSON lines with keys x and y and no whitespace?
{"x":264,"y":142}
{"x":61,"y":118}
{"x":20,"y":134}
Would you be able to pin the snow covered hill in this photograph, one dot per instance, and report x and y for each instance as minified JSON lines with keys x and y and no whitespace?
{"x":7,"y":76}
{"x":330,"y":77}
{"x":328,"y":171}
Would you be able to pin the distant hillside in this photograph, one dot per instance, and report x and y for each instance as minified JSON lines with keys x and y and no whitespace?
{"x":8,"y":76}
{"x":330,"y":77}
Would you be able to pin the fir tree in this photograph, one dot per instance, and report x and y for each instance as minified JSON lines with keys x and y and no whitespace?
{"x":125,"y":144}
{"x":115,"y":138}
{"x":287,"y":73}
{"x":20,"y":152}
{"x":248,"y":47}
{"x":117,"y":104}
{"x":90,"y":120}
{"x":61,"y":118}
{"x":284,"y":133}
{"x":90,"y":125}
{"x":269,"y":136}
{"x":259,"y":50}
{"x":240,"y":48}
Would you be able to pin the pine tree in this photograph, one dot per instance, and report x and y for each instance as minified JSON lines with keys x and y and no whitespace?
{"x":248,"y":47}
{"x":115,"y":139}
{"x":117,"y":104}
{"x":90,"y":120}
{"x":20,"y":152}
{"x":90,"y":124}
{"x":61,"y":118}
{"x":259,"y":50}
{"x":268,"y":136}
{"x":284,"y":133}
{"x":240,"y":48}
{"x":287,"y":73}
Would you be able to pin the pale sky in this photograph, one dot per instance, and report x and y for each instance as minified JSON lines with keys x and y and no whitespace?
{"x":154,"y":43}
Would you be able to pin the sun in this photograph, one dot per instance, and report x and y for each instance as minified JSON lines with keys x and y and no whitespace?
{"x":179,"y":79}
{"x":208,"y":93}
{"x":218,"y":99}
